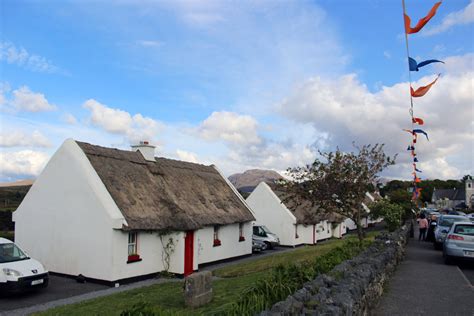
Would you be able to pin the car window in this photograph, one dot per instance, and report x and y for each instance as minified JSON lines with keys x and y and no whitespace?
{"x":464,"y":230}
{"x":449,"y":221}
{"x":10,"y":252}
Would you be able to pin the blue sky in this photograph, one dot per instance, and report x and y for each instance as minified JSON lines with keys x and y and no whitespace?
{"x":242,"y":84}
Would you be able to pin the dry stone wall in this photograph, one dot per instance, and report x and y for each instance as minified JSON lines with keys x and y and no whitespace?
{"x":351,"y":288}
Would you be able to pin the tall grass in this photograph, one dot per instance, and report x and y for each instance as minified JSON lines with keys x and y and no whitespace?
{"x":284,"y":280}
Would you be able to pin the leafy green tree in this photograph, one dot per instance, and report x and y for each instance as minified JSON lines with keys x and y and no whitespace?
{"x":392,"y":213}
{"x":337,"y":182}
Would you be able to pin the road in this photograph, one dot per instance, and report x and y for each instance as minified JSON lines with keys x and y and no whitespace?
{"x":424,"y":285}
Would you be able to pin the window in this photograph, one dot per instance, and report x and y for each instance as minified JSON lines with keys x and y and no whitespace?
{"x":217,"y":241}
{"x":296,"y":232}
{"x":133,"y":255}
{"x":241,"y":232}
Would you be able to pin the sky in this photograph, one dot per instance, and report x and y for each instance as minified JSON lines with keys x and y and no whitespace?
{"x":238,"y":84}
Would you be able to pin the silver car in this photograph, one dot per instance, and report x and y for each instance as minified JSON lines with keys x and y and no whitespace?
{"x":444,"y":223}
{"x":459,"y":242}
{"x":262,"y":233}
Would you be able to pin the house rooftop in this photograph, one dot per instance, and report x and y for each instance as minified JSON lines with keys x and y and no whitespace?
{"x":165,"y":194}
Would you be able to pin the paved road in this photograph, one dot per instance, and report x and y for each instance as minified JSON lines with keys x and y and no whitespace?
{"x":59,"y":288}
{"x":424,"y":285}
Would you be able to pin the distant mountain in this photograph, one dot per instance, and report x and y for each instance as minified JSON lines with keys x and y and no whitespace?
{"x":248,"y":180}
{"x":19,"y":183}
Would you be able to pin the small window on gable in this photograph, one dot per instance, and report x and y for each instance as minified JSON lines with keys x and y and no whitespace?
{"x":133,"y":247}
{"x":241,"y":232}
{"x":217,"y":241}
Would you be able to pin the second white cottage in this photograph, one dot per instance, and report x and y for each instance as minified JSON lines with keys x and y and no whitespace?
{"x":293,"y":224}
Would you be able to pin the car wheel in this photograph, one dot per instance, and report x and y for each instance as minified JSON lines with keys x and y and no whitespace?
{"x":269,"y":245}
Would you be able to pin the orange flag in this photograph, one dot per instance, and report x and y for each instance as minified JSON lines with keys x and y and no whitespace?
{"x":421,"y":91}
{"x":422,"y":22}
{"x":418,"y":120}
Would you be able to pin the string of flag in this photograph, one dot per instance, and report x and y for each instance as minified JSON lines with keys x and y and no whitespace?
{"x":419,"y":92}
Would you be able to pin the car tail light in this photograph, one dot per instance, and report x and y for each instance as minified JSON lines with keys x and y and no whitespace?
{"x":455,"y":237}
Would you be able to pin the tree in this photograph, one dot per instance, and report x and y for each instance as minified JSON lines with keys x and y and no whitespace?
{"x":338,"y":182}
{"x":404,"y":199}
{"x":392,"y":213}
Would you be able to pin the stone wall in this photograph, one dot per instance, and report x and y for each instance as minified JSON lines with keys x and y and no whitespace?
{"x":352,"y":287}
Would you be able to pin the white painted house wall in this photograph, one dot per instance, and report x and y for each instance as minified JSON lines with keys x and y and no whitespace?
{"x":230,"y":244}
{"x":269,"y":211}
{"x":305,"y":235}
{"x":323,"y":230}
{"x":67,"y":218}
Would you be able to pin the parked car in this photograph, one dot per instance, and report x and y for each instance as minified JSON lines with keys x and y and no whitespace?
{"x":18,"y":272}
{"x":258,"y":246}
{"x":262,"y":233}
{"x":470,"y":216}
{"x":454,"y":212}
{"x":444,"y":223}
{"x":460,"y":242}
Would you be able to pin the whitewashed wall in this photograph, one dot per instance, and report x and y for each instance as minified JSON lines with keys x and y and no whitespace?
{"x":230,"y":244}
{"x":339,"y":230}
{"x":305,"y":233}
{"x":150,"y":250}
{"x":323,"y":230}
{"x":269,"y":211}
{"x":67,"y":218}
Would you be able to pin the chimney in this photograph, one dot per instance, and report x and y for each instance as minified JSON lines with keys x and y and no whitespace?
{"x":147,"y":150}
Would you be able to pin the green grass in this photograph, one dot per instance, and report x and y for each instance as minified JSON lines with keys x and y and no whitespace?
{"x":303,"y":253}
{"x":167,"y":298}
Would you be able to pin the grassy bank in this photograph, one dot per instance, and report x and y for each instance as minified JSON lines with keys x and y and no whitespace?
{"x":235,"y":281}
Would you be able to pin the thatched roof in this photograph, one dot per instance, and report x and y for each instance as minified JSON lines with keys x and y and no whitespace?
{"x":166,"y":194}
{"x":305,"y":212}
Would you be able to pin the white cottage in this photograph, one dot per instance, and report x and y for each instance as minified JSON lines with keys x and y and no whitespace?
{"x":110,"y":214}
{"x":293,"y":224}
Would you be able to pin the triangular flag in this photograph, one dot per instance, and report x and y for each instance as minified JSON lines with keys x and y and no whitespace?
{"x":422,"y":22}
{"x":414,"y":66}
{"x":416,"y":131}
{"x":418,"y":121}
{"x":421,"y":91}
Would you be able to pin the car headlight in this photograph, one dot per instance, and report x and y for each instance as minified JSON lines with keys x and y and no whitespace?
{"x":11,"y":272}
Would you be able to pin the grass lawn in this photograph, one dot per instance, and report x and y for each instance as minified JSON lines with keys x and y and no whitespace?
{"x":167,"y":298}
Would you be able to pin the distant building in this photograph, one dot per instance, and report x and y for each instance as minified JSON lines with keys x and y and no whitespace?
{"x":454,"y":198}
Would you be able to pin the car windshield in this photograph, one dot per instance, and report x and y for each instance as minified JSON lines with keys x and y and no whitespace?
{"x":450,"y":220}
{"x":10,"y":252}
{"x":464,"y":229}
{"x":266,"y":230}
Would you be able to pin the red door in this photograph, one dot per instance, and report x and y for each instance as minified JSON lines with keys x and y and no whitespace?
{"x":188,"y":252}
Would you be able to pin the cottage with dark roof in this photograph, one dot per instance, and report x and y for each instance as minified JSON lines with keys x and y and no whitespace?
{"x":294,"y":223}
{"x":111,"y":214}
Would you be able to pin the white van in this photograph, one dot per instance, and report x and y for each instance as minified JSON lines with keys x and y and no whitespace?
{"x":19,"y":272}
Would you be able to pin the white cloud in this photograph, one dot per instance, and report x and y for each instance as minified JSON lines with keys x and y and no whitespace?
{"x":149,"y":43}
{"x":21,"y":57}
{"x":464,"y":16}
{"x":136,"y":128}
{"x":230,"y":127}
{"x":26,"y":100}
{"x":22,"y":163}
{"x":187,"y":156}
{"x":348,"y":111}
{"x":69,"y":118}
{"x":22,"y":139}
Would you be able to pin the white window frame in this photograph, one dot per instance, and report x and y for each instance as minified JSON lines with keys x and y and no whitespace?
{"x":132,"y":243}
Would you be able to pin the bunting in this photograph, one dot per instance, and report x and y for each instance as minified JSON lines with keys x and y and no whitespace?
{"x":421,"y":91}
{"x":413,"y":66}
{"x":422,"y":22}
